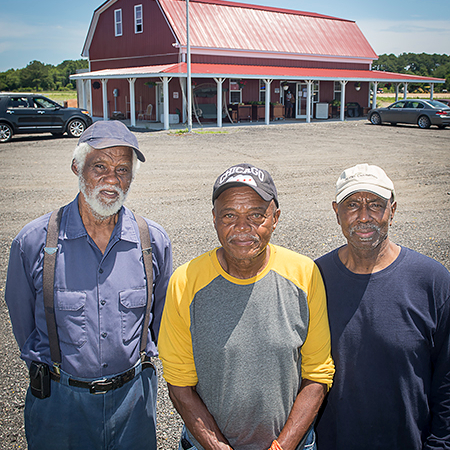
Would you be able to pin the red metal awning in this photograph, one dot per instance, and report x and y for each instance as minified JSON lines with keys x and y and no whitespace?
{"x":254,"y":72}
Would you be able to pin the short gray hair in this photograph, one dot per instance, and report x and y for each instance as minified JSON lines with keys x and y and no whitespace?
{"x":81,"y":151}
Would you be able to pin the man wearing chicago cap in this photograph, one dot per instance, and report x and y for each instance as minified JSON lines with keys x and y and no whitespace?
{"x":389,"y":312}
{"x":244,"y":337}
{"x":87,"y":328}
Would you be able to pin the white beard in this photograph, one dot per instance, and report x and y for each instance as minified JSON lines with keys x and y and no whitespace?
{"x":101,"y":208}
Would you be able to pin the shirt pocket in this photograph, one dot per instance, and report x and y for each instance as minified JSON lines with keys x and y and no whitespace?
{"x":71,"y":317}
{"x":132,"y":310}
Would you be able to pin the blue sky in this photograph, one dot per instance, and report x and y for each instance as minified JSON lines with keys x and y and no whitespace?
{"x":51,"y":31}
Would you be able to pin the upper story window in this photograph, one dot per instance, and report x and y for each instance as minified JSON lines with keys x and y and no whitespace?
{"x":118,"y":22}
{"x":138,"y":20}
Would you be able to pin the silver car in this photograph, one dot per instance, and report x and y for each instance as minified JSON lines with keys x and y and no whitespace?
{"x":424,"y":113}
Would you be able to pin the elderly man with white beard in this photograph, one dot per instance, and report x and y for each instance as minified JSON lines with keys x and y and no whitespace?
{"x":85,"y":290}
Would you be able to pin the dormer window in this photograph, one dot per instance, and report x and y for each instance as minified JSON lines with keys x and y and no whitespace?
{"x":118,"y":22}
{"x":138,"y":20}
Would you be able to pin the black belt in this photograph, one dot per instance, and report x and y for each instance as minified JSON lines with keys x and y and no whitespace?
{"x":106,"y":384}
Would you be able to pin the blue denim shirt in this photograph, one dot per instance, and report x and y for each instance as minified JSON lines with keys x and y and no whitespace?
{"x":100,"y":299}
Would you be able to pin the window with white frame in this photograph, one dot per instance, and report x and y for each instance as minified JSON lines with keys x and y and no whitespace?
{"x":337,"y":90}
{"x":262,"y":91}
{"x":316,"y":91}
{"x":118,"y":22}
{"x":235,"y":92}
{"x":138,"y":20}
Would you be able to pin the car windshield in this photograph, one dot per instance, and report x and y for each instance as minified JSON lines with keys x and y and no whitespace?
{"x":437,"y":104}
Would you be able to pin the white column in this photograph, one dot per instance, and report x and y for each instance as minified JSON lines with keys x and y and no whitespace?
{"x":432,"y":91}
{"x":268,"y":83}
{"x":405,"y":90}
{"x":343,"y":84}
{"x":374,"y":97}
{"x":184,"y":100}
{"x":219,"y":82}
{"x":83,"y":95}
{"x":308,"y":100}
{"x":105,"y":99}
{"x":165,"y":81}
{"x":131,"y":81}
{"x":396,"y":91}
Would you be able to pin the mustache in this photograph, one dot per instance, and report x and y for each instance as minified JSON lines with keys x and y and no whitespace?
{"x":364,"y":227}
{"x":243,"y":237}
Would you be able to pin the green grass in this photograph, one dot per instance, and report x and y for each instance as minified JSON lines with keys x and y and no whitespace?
{"x":60,"y":96}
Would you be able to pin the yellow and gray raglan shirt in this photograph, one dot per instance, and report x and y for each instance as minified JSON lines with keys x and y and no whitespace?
{"x":246,"y":344}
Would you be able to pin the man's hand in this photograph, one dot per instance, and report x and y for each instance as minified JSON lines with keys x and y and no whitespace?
{"x":197,"y":418}
{"x":303,"y":412}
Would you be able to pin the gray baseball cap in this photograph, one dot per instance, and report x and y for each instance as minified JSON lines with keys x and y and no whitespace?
{"x":110,"y":133}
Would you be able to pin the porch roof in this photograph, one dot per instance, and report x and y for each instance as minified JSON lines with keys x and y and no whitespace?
{"x":179,"y":70}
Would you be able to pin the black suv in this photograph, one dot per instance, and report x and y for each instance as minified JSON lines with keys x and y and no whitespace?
{"x":31,"y":113}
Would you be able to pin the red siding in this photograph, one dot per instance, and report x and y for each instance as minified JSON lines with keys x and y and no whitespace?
{"x":153,"y":46}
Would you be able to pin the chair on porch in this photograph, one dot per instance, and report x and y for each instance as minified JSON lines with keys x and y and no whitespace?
{"x":147,"y":114}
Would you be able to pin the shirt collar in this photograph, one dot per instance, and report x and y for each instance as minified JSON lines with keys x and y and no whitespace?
{"x":125,"y":229}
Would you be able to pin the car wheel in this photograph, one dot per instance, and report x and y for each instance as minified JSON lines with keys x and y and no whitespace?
{"x":424,"y":122}
{"x":6,"y":132}
{"x":75,"y":128}
{"x":375,"y":119}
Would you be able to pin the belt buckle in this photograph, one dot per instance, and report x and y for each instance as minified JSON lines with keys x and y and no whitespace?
{"x":95,"y":385}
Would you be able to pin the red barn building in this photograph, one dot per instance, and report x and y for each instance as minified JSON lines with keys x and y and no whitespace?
{"x":239,"y":55}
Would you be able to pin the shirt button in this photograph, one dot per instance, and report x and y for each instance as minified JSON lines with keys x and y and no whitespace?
{"x":104,"y":365}
{"x":100,"y":270}
{"x":104,"y":334}
{"x":103,"y":302}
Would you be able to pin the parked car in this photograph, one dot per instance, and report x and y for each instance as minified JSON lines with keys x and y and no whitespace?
{"x":30,"y":113}
{"x":424,"y":113}
{"x":444,"y":101}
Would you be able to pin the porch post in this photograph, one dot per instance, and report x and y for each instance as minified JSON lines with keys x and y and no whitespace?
{"x":105,"y":99}
{"x":343,"y":84}
{"x":308,"y":100}
{"x":432,"y":91}
{"x":268,"y":83}
{"x":405,"y":90}
{"x":131,"y":81}
{"x":184,"y":99}
{"x":166,"y":101}
{"x":374,"y":96}
{"x":83,"y":95}
{"x":219,"y":82}
{"x":396,"y":91}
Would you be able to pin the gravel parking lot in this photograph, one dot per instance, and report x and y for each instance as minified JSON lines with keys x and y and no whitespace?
{"x":174,"y":188}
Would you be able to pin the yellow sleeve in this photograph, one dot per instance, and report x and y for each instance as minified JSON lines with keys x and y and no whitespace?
{"x":174,"y":341}
{"x":317,"y":364}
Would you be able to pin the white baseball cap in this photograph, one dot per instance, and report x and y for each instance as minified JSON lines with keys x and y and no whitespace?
{"x":364,"y":177}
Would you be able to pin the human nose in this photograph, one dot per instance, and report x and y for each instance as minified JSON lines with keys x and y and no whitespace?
{"x":364,"y":213}
{"x":111,"y":177}
{"x":242,"y":223}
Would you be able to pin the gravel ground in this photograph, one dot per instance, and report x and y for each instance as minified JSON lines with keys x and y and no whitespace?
{"x":174,"y":188}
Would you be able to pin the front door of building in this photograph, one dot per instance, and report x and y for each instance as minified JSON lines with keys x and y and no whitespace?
{"x":159,"y":101}
{"x":301,"y":99}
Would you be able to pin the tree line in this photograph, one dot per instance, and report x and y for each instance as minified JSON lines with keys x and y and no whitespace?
{"x":37,"y":76}
{"x":421,"y":64}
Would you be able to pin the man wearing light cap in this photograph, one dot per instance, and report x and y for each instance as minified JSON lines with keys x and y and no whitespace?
{"x":85,"y":291}
{"x":244,"y":337}
{"x":389,"y":312}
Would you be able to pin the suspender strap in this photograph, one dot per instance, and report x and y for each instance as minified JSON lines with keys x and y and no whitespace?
{"x":146,"y":246}
{"x":51,"y":250}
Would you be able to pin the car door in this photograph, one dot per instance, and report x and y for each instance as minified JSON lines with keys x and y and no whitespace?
{"x":394,"y":113}
{"x":412,"y":111}
{"x":49,"y":114}
{"x":20,"y":114}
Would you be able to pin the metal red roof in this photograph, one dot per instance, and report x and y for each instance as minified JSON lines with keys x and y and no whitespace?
{"x":255,"y":72}
{"x":235,"y":26}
